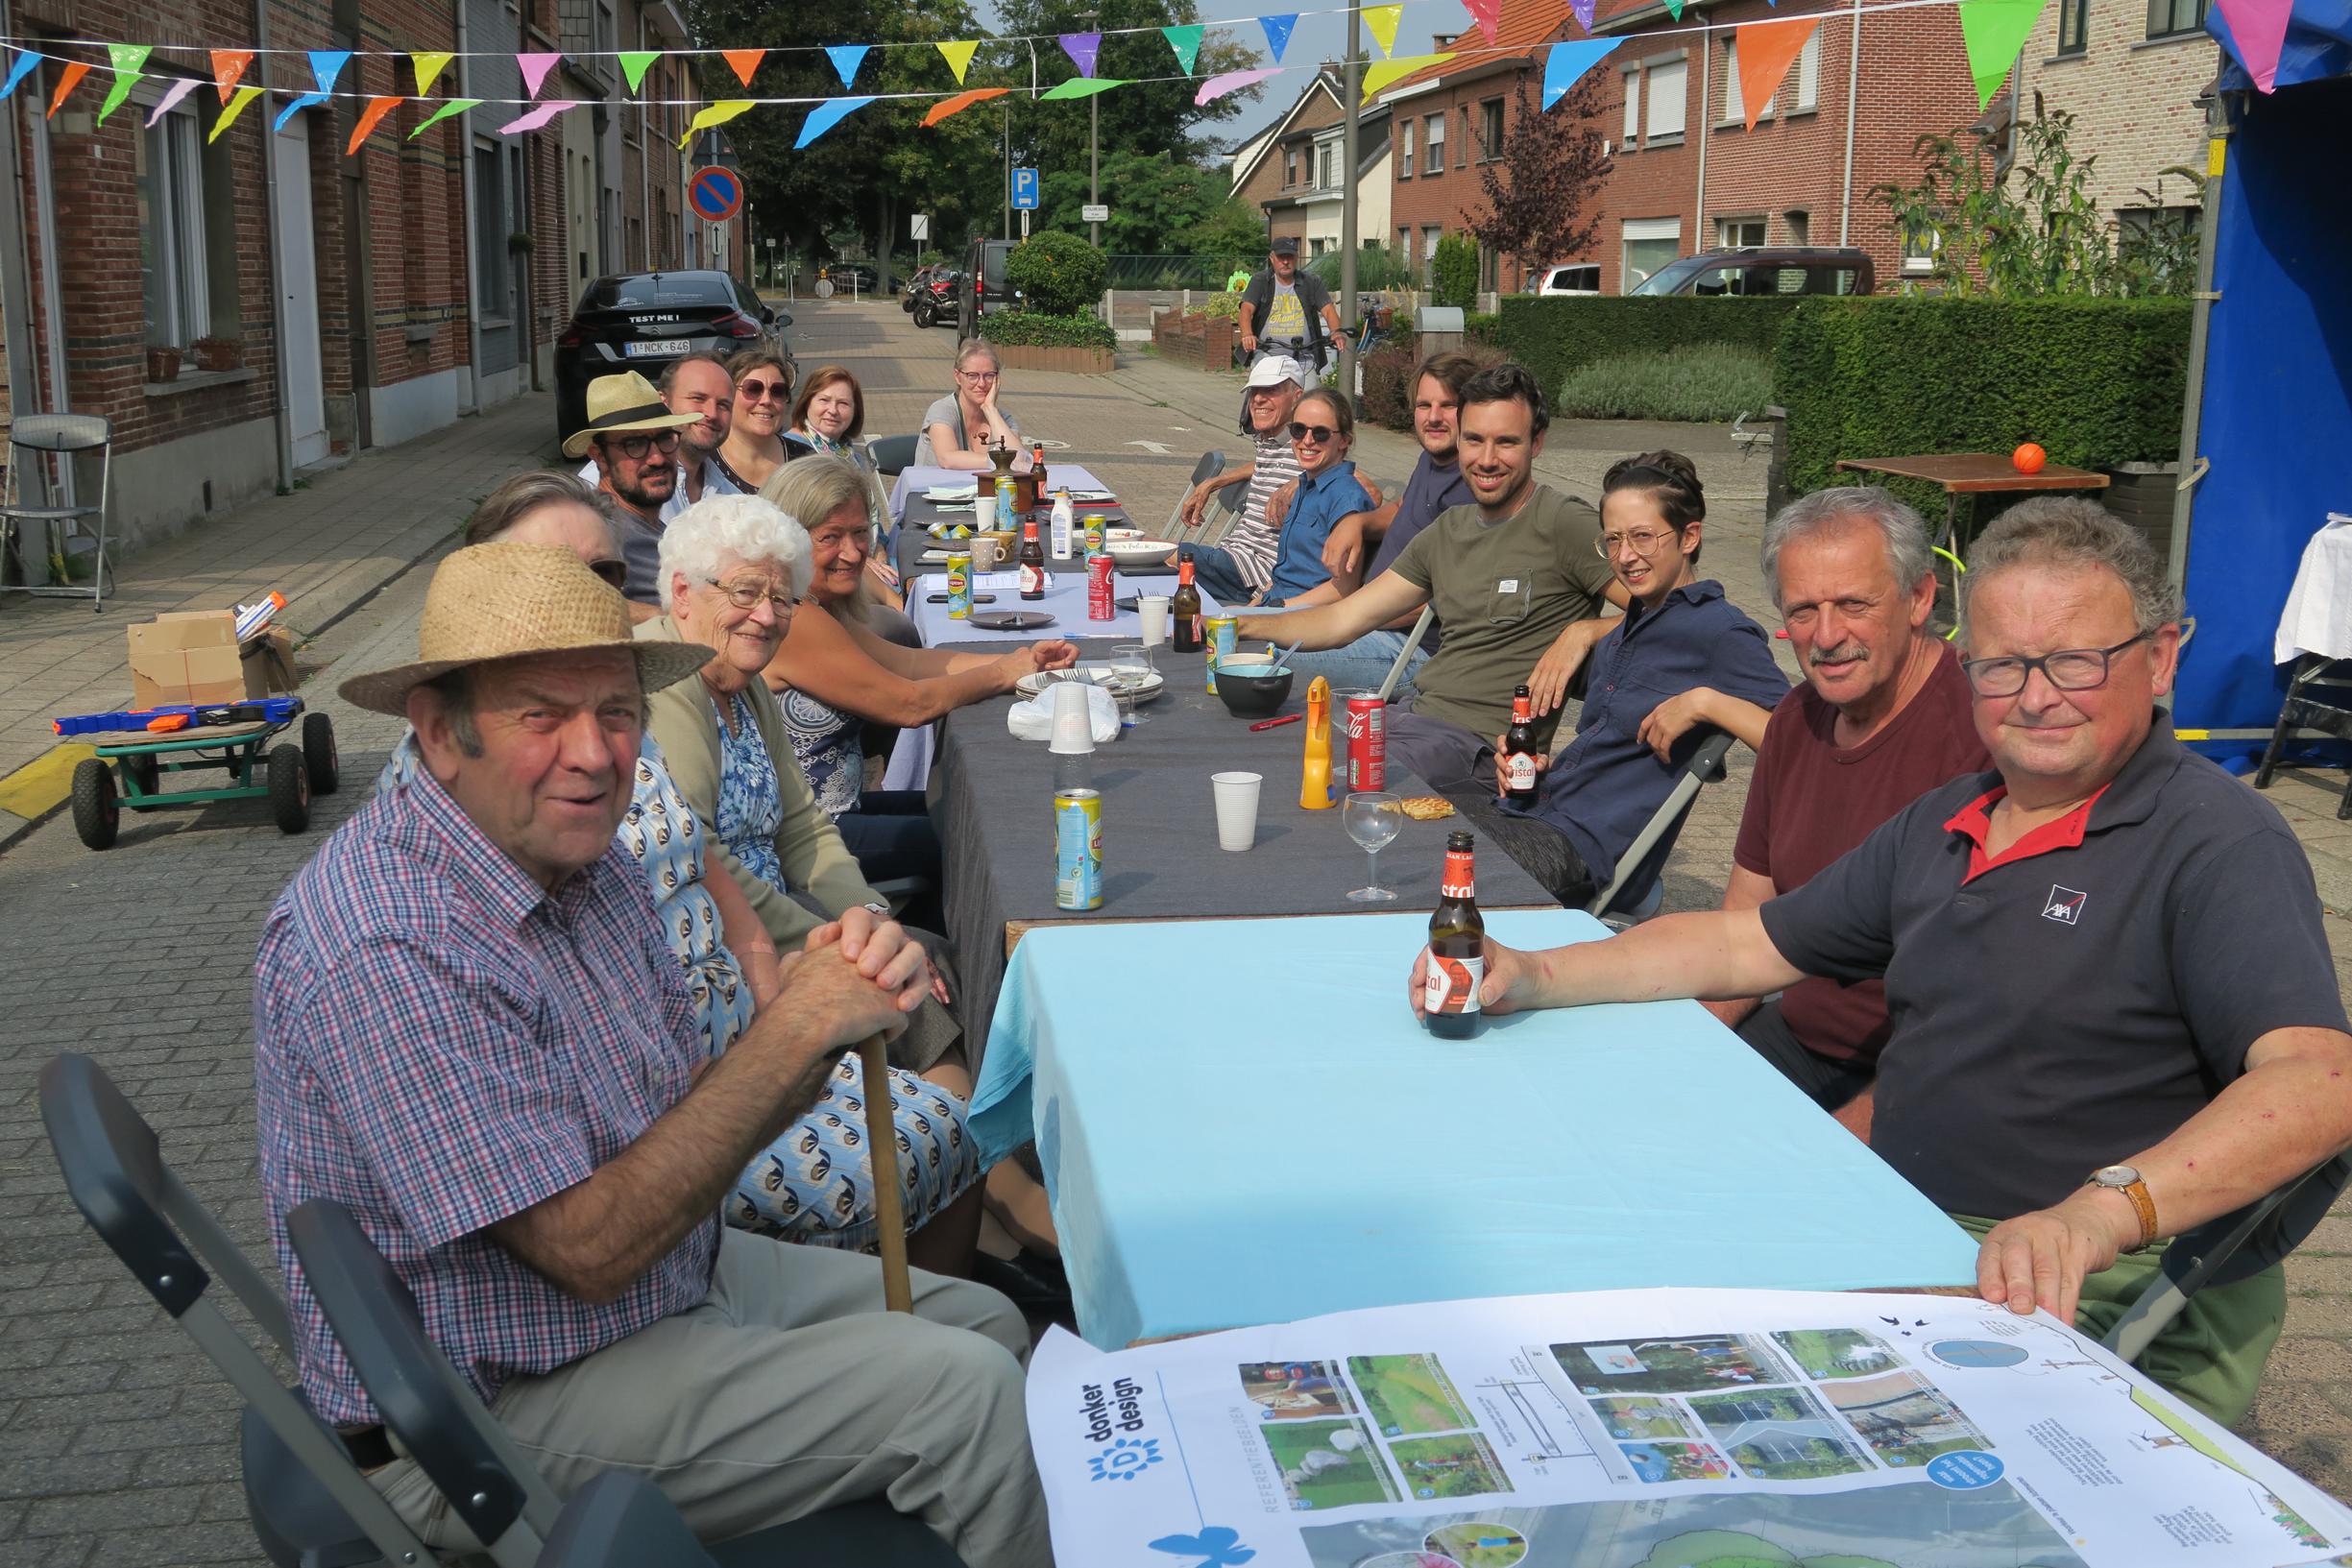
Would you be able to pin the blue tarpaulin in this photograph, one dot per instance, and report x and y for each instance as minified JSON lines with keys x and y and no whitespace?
{"x":2319,"y":47}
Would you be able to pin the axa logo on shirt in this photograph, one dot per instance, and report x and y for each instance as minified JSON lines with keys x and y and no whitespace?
{"x":2064,"y":905}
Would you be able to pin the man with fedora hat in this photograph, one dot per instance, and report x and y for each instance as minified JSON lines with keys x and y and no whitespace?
{"x":633,"y":439}
{"x":471,"y":1030}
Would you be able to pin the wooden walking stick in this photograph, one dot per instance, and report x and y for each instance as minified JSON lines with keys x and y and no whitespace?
{"x":881,"y":1144}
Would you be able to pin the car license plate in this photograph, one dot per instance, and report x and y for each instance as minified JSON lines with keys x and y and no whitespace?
{"x":659,"y":346}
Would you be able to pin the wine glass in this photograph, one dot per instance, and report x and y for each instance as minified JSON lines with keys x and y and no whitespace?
{"x":1130,"y":669}
{"x":1372,"y":817}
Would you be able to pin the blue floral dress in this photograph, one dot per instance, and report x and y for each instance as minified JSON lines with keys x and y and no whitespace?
{"x":750,"y":808}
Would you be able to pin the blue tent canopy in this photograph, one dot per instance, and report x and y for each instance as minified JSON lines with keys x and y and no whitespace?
{"x":2318,"y":46}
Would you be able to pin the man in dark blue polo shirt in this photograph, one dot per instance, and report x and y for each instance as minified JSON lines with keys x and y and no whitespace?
{"x":2115,"y":1016}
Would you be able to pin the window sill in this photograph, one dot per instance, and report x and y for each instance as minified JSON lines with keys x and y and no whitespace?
{"x":496,"y":323}
{"x":199,"y":381}
{"x":1654,"y":142}
{"x":2194,"y":35}
{"x":2068,"y":58}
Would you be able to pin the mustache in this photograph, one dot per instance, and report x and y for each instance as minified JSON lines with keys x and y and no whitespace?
{"x":1841,"y":654}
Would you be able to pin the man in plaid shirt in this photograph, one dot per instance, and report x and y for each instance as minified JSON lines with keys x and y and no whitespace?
{"x":470,"y":1031}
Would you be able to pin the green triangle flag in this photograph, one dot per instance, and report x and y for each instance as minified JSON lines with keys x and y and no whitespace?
{"x":959,"y":55}
{"x":1186,"y":42}
{"x":448,"y":107}
{"x":634,"y":62}
{"x":129,"y":59}
{"x":1080,"y":86}
{"x":1992,"y":32}
{"x":1676,"y":8}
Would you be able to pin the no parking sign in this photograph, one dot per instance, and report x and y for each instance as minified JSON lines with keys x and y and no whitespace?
{"x":716,"y":193}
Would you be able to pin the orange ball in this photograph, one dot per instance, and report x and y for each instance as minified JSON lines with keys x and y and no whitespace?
{"x":2029,"y":458}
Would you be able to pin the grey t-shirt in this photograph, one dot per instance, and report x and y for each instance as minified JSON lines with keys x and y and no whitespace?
{"x":945,"y":412}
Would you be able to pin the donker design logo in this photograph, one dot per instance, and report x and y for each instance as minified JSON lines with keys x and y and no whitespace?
{"x":1125,"y":1458}
{"x":2064,"y":905}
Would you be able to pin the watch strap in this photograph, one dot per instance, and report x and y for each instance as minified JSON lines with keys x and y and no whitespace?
{"x":2142,"y":1204}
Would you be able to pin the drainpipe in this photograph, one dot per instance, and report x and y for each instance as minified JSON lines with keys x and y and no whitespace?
{"x":644,"y":160}
{"x":15,"y":253}
{"x":473,"y":244}
{"x":282,"y":421}
{"x":1707,"y":69}
{"x":1854,"y":80}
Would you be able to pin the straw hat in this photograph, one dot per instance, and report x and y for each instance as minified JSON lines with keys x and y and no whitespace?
{"x":513,"y":601}
{"x":618,"y":404}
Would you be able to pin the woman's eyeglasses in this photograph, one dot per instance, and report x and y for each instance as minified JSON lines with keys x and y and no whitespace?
{"x":756,"y":391}
{"x":748,"y":596}
{"x":1641,"y":541}
{"x":1311,"y":432}
{"x":634,"y":447}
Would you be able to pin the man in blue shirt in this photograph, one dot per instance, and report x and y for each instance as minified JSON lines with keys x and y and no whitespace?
{"x":1683,"y":657}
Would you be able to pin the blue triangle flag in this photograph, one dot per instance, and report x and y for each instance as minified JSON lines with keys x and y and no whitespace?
{"x":1278,"y":33}
{"x":18,"y":71}
{"x":825,"y":117}
{"x":309,"y":100}
{"x":1569,"y":61}
{"x":326,"y":64}
{"x":846,"y":59}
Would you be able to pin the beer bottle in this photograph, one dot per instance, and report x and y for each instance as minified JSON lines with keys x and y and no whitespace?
{"x":1037,"y":468}
{"x":1518,"y":762}
{"x":1457,"y":947}
{"x":1032,"y":561}
{"x":1184,"y":610}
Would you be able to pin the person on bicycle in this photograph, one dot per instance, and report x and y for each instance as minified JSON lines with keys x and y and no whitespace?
{"x":1288,"y":312}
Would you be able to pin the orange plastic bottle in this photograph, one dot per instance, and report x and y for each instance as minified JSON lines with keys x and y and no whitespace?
{"x":1315,"y":792}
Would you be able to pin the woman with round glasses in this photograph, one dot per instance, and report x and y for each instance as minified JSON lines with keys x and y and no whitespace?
{"x":958,"y":430}
{"x":755,"y":445}
{"x":1322,"y":432}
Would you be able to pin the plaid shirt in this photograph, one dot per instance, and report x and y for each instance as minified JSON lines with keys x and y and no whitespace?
{"x":440,"y":1044}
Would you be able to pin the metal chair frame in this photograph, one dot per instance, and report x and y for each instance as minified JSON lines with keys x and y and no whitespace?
{"x":47,"y":444}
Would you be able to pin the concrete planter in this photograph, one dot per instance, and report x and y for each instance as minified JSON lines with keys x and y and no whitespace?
{"x":1026,"y":357}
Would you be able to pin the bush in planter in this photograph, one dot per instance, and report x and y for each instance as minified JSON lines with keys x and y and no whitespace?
{"x":1222,"y":306}
{"x":1035,"y":329}
{"x":1712,"y":382}
{"x":1059,"y":274}
{"x":1454,"y":271}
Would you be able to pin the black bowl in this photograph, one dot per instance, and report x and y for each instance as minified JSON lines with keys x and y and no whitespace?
{"x":1252,"y":696}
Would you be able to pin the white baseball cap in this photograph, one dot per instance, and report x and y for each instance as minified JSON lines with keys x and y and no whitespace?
{"x":1274,"y":370}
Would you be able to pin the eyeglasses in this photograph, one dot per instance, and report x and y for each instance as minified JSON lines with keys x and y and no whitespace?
{"x":745,"y":597}
{"x":1311,"y":432}
{"x":1641,"y":540}
{"x":980,"y":375}
{"x":753,"y":392}
{"x":2069,"y":669}
{"x":615,"y":573}
{"x":634,"y":447}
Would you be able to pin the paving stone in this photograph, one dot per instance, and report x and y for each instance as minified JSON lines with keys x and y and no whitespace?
{"x":142,"y":1506}
{"x":64,"y":1476}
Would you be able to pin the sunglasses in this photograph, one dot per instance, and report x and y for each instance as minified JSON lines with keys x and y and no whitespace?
{"x":1311,"y":432}
{"x":635,"y":447}
{"x":615,"y":573}
{"x":755,"y":391}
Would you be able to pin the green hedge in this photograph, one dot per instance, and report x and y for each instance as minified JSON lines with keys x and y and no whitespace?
{"x":1702,"y":382}
{"x":2096,"y":382}
{"x":1034,"y":330}
{"x":1554,"y":336}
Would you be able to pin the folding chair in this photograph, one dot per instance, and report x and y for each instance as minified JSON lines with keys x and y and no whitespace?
{"x":46,"y":445}
{"x":2223,"y":1251}
{"x":2318,"y":697}
{"x":1634,"y":892}
{"x":1217,"y":516}
{"x":1404,"y":655}
{"x":891,"y":454}
{"x":493,"y":1490}
{"x":309,"y":1502}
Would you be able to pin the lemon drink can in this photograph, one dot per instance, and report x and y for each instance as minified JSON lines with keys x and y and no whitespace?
{"x":960,"y":585}
{"x":1077,"y":849}
{"x":1219,"y":633}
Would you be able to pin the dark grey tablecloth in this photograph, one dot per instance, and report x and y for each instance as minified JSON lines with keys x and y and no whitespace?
{"x":992,"y":798}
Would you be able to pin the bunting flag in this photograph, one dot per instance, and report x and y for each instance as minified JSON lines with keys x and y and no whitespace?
{"x":326,"y":64}
{"x":171,"y":96}
{"x":1383,"y":72}
{"x":1673,"y":7}
{"x":129,"y":61}
{"x":1484,"y":13}
{"x":1568,"y":61}
{"x":535,"y":69}
{"x":846,"y":58}
{"x":1583,"y":13}
{"x":1081,"y":48}
{"x":68,"y":80}
{"x":1992,"y":32}
{"x":1766,"y":52}
{"x":962,"y":101}
{"x":1383,"y":20}
{"x":1217,"y":86}
{"x":1079,"y":86}
{"x":448,"y":107}
{"x":1186,"y":42}
{"x":429,"y":63}
{"x":745,"y":62}
{"x":719,"y":113}
{"x":370,"y":118}
{"x":229,"y":114}
{"x":959,"y":57}
{"x":825,"y":117}
{"x":19,"y":68}
{"x":634,"y":64}
{"x":309,"y":100}
{"x":1278,"y":33}
{"x":538,"y":118}
{"x":228,"y":65}
{"x":2257,"y":33}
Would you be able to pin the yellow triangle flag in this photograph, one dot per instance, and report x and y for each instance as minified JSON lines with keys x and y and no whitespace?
{"x":429,"y":63}
{"x":959,"y":55}
{"x":719,"y":113}
{"x":1382,"y":72}
{"x":228,"y":115}
{"x":1383,"y":20}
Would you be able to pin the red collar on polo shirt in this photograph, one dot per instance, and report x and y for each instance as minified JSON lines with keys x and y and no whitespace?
{"x":1976,"y":820}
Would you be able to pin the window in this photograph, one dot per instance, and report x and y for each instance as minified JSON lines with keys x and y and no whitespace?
{"x":1734,"y":101}
{"x":1462,"y":144}
{"x":1799,"y":227}
{"x":1329,"y":175}
{"x":1650,"y":243}
{"x":1491,"y":120}
{"x":1919,"y":248}
{"x":490,"y":230}
{"x":1404,"y":154}
{"x":1431,"y":233}
{"x":1730,"y":231}
{"x":2169,"y":19}
{"x":1315,"y":247}
{"x":1807,"y":72}
{"x":1290,"y":167}
{"x":1490,"y":270}
{"x":1435,"y":134}
{"x":2073,"y":26}
{"x":1632,"y":110}
{"x":173,"y":259}
{"x":1405,"y":246}
{"x":1669,"y":89}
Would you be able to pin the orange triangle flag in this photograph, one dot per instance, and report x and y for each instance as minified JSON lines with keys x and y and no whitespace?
{"x":68,"y":80}
{"x":1766,"y":51}
{"x":369,"y":119}
{"x":962,"y":101}
{"x":228,"y":64}
{"x":744,"y":60}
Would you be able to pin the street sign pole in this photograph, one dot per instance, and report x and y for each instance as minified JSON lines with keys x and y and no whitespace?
{"x":1349,"y":156}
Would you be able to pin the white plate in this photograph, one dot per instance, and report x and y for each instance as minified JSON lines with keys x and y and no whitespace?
{"x":1122,"y":535}
{"x":1031,"y":686}
{"x":1145,"y":550}
{"x":1091,"y":498}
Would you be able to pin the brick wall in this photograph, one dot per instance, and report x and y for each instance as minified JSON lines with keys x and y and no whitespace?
{"x":2133,"y":99}
{"x":1448,"y":199}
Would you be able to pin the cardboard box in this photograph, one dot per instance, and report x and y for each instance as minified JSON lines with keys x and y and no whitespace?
{"x":192,"y":656}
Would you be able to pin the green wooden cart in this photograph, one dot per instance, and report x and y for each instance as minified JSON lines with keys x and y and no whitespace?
{"x":128,"y":775}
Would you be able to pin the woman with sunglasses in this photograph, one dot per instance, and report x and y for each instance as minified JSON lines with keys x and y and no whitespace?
{"x":755,"y":445}
{"x":1322,"y":432}
{"x":958,"y":430}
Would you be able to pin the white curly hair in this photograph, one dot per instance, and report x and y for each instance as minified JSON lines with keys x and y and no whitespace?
{"x":719,"y":530}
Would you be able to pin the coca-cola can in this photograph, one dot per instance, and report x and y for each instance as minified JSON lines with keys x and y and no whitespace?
{"x":1368,"y":740}
{"x":1101,"y":595}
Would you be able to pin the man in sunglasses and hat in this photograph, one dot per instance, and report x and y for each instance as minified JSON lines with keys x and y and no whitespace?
{"x":469,"y":1029}
{"x":634,"y":442}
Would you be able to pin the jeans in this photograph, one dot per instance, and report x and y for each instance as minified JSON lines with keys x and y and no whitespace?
{"x":891,"y":835}
{"x":1217,"y":573}
{"x":1828,"y":1081}
{"x":1361,"y":665}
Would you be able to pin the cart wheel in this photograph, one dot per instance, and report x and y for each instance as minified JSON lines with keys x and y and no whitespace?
{"x":319,"y":752}
{"x":96,"y":816}
{"x":143,"y":774}
{"x":289,"y":789}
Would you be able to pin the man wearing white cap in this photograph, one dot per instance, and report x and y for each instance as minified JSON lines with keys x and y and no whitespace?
{"x":633,"y":439}
{"x":1243,"y":561}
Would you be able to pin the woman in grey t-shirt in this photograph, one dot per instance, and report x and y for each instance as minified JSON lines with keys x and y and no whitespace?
{"x":958,"y":429}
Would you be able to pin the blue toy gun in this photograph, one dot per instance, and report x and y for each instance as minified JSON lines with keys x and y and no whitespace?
{"x":183,"y":717}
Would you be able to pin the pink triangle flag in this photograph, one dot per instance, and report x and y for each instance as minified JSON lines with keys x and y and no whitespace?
{"x":1217,"y":86}
{"x":1485,"y":13}
{"x":2259,"y":29}
{"x":536,"y":118}
{"x":535,"y":69}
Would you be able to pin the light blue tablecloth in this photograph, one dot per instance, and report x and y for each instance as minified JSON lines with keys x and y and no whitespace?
{"x":1060,"y":474}
{"x":1241,"y":1123}
{"x":1065,"y":600}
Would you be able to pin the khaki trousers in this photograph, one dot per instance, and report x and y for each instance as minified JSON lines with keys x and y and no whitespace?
{"x":789,"y":1389}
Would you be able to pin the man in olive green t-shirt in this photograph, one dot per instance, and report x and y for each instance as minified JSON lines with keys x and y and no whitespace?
{"x":1517,"y":581}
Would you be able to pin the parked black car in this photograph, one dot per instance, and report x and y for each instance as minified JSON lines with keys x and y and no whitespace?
{"x":984,"y":287}
{"x":847,"y":276}
{"x":1764,"y":269}
{"x":644,"y":320}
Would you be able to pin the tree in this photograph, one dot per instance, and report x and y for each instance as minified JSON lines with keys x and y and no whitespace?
{"x":1454,"y":271}
{"x":1234,"y":233}
{"x":1059,"y":274}
{"x":1151,"y":201}
{"x":1155,"y":118}
{"x":1553,"y":165}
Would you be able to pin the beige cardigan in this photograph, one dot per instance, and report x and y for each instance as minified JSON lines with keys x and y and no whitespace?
{"x":816,"y":861}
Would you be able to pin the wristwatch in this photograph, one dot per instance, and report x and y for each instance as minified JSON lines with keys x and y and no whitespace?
{"x":2125,"y":1179}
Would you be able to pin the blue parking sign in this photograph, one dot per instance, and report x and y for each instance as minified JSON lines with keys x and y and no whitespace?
{"x":1025,"y":189}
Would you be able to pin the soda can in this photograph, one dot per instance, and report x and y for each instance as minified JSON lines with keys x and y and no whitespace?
{"x":1368,"y":740}
{"x":1218,"y":635}
{"x":1005,"y":511}
{"x":1100,"y":594}
{"x":1077,"y":849}
{"x":960,"y":585}
{"x":1096,"y":536}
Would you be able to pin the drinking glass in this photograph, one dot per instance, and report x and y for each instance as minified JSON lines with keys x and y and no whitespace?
{"x":1131,"y":666}
{"x":1372,"y":817}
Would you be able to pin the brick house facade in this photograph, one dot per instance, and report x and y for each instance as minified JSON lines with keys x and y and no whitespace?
{"x":2132,"y":74}
{"x":1292,"y":172}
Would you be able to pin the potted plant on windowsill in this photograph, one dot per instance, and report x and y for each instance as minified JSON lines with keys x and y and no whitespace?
{"x":217,"y":353}
{"x":163,"y":362}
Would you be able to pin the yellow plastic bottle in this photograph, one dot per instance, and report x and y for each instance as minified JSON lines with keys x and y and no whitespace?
{"x":1315,"y":775}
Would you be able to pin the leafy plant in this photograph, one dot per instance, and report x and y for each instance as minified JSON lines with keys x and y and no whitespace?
{"x":1555,"y":337}
{"x":1712,"y":382}
{"x":1542,"y":191}
{"x":1453,"y":272}
{"x":1482,"y":328}
{"x":1388,"y":380}
{"x":1377,"y":269}
{"x":1036,"y":329}
{"x":1223,"y":306}
{"x":1059,"y":274}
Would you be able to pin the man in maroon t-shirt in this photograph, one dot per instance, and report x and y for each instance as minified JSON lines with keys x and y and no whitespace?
{"x":1880,"y":718}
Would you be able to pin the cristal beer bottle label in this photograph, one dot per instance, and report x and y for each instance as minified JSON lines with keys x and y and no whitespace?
{"x":1453,"y":984}
{"x":1520,"y":772}
{"x":1032,"y":580}
{"x":1459,"y":880}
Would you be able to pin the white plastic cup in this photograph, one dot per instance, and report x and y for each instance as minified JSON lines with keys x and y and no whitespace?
{"x":1237,"y":809}
{"x":1152,"y":610}
{"x":984,"y":510}
{"x":1073,"y":724}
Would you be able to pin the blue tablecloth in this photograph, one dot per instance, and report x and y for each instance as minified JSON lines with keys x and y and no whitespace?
{"x":1241,"y":1123}
{"x":1065,"y":600}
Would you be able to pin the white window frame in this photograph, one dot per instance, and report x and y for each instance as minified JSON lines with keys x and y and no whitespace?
{"x":1632,"y":108}
{"x":1734,"y":97}
{"x":1666,"y":114}
{"x":174,"y":152}
{"x":1724,"y":238}
{"x":1633,"y":230}
{"x":1807,"y":73}
{"x":1404,"y":149}
{"x":1919,"y":249}
{"x":1432,"y":141}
